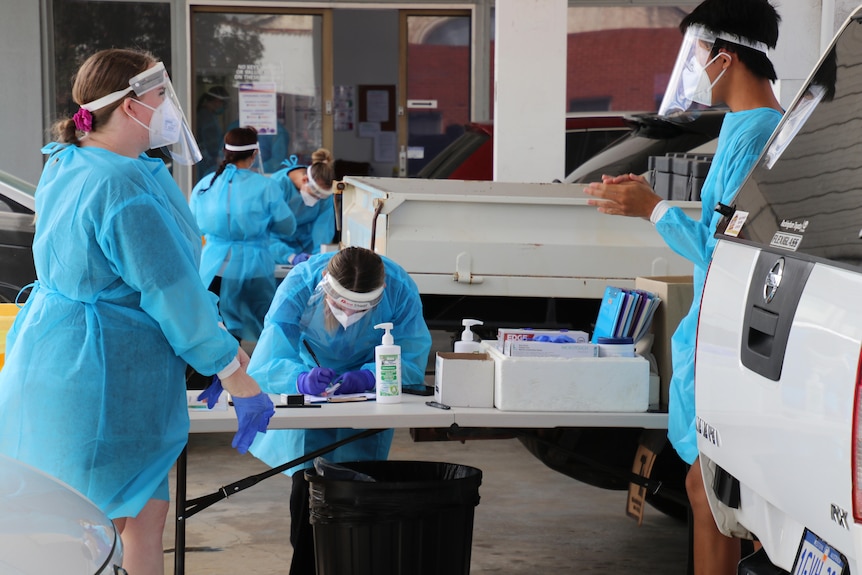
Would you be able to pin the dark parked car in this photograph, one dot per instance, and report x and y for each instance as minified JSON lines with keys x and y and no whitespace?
{"x":471,"y":155}
{"x":651,"y":135}
{"x":17,"y":227}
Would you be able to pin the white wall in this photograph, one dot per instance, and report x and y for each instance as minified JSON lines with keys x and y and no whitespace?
{"x":21,"y":91}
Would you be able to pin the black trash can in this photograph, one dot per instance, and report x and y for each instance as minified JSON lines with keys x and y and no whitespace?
{"x":416,"y":518}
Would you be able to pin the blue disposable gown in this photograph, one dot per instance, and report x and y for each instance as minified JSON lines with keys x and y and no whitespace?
{"x":741,"y":140}
{"x":93,"y":388}
{"x":315,"y":225}
{"x":296,"y":317}
{"x":240,"y":214}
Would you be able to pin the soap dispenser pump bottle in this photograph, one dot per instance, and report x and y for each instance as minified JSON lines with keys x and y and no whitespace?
{"x":467,"y":343}
{"x":387,"y":367}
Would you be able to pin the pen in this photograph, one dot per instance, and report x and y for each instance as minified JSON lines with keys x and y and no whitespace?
{"x":437,"y":405}
{"x":331,"y":390}
{"x":304,"y":405}
{"x":308,"y":347}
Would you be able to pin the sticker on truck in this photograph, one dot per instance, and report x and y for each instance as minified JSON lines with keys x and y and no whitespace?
{"x":786,"y":241}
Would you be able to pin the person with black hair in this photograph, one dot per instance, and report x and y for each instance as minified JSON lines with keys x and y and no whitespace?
{"x":240,"y":212}
{"x":723,"y":59}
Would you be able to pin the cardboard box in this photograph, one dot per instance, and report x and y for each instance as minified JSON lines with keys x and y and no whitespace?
{"x":594,"y":384}
{"x":505,"y":334}
{"x":464,"y":379}
{"x":676,"y":293}
{"x":529,"y":348}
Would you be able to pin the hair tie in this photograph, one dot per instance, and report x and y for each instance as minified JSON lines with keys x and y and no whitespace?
{"x":83,"y":120}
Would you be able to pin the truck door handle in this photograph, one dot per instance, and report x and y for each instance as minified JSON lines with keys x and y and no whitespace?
{"x":761,"y":331}
{"x":463,"y":275}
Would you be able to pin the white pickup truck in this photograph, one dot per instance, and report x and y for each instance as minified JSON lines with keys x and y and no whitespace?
{"x":521,"y":255}
{"x":779,"y":347}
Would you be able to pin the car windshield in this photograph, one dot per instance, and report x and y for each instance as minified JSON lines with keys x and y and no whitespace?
{"x":446,"y":162}
{"x":653,"y":135}
{"x":805,"y":196}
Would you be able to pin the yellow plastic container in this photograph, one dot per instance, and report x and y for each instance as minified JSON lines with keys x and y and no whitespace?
{"x":8,"y":311}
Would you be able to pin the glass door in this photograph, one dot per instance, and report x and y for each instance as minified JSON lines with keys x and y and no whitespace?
{"x":435,"y":80}
{"x":264,"y":68}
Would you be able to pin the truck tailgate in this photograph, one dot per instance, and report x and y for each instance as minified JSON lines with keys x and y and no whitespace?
{"x":790,"y":436}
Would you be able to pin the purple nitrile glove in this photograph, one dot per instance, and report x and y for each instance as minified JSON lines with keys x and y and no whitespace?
{"x":316,"y":381}
{"x":252,"y":415}
{"x":356,"y":381}
{"x":299,"y":258}
{"x":212,"y":393}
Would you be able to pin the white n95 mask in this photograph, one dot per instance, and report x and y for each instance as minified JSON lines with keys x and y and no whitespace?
{"x":702,"y":93}
{"x":165,"y":124}
{"x":308,"y":198}
{"x":343,"y":318}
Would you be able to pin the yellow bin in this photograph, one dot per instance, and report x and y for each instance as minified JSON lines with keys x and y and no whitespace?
{"x":8,"y":311}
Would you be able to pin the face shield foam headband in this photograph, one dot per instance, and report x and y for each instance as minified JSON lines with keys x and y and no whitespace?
{"x":168,"y":125}
{"x":256,"y":164}
{"x":350,"y":300}
{"x":686,"y":84}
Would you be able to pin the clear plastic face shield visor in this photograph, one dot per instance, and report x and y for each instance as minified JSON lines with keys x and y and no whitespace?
{"x":256,"y":163}
{"x":168,"y":125}
{"x":689,"y":82}
{"x":311,"y":191}
{"x":347,"y":306}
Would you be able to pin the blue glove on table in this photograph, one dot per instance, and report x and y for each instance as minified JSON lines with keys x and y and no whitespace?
{"x":299,"y":258}
{"x":554,"y":339}
{"x":212,"y":393}
{"x":356,"y":381}
{"x":252,"y":415}
{"x":316,"y":381}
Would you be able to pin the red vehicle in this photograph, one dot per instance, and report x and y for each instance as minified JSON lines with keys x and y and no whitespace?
{"x":471,"y":155}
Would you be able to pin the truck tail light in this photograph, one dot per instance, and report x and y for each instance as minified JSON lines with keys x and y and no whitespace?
{"x":856,"y":453}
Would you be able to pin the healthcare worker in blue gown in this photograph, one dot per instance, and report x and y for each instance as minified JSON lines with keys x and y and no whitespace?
{"x":722,"y":59}
{"x":328,"y":307}
{"x":308,"y":190}
{"x":240,"y":211}
{"x":93,"y":390}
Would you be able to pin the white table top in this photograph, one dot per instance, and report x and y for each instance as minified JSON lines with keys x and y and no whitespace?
{"x":412,"y":412}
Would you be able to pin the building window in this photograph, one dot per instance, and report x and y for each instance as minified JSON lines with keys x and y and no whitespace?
{"x":83,"y":27}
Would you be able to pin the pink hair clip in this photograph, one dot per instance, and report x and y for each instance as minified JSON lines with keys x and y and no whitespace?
{"x":83,"y":120}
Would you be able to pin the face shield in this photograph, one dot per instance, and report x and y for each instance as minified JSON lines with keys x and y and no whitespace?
{"x":347,"y":306}
{"x":311,"y":191}
{"x":168,"y":126}
{"x":256,"y":163}
{"x":689,"y":82}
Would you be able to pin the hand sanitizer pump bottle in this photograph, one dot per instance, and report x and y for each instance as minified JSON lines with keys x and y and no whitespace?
{"x":467,"y":343}
{"x":387,"y":367}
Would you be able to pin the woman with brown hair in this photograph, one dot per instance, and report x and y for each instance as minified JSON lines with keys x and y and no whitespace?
{"x":92,"y":390}
{"x":308,"y":191}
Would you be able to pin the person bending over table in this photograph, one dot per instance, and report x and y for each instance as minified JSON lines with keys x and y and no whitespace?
{"x":320,"y":331}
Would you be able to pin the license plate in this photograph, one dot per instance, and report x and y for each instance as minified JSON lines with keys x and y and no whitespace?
{"x":817,"y":557}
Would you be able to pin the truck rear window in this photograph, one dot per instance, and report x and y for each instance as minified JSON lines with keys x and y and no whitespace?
{"x":805,"y":195}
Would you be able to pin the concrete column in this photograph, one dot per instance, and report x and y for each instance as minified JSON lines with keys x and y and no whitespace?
{"x":530,"y":90}
{"x":799,"y":47}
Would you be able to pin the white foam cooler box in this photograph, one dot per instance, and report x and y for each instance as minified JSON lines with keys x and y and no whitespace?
{"x":597,"y":384}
